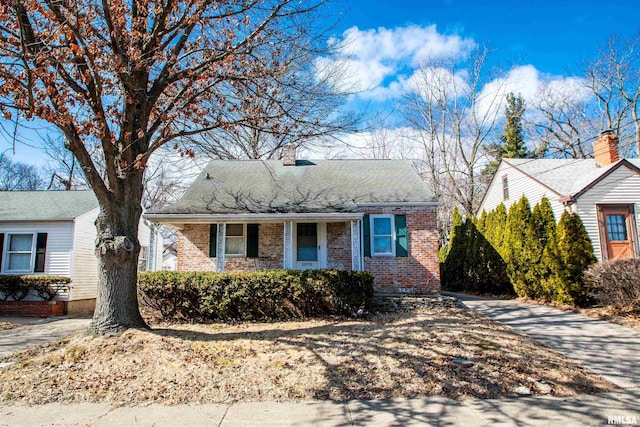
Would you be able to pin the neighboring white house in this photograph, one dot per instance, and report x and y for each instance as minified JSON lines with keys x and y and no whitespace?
{"x":53,"y":233}
{"x":604,"y":191}
{"x":170,"y":258}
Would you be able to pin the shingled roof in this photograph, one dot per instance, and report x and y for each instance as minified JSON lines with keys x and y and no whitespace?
{"x":319,"y":186}
{"x":566,"y":177}
{"x":23,"y":206}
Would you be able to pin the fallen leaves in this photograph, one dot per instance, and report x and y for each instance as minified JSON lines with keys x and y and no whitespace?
{"x":394,"y":355}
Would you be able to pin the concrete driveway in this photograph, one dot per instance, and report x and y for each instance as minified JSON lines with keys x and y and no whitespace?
{"x":610,"y":350}
{"x":35,"y":332}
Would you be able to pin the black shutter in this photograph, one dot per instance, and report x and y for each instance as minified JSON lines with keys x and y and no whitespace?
{"x":213,"y":240}
{"x":252,"y":240}
{"x":41,"y":248}
{"x":366,"y":235}
{"x":1,"y":249}
{"x":402,"y":236}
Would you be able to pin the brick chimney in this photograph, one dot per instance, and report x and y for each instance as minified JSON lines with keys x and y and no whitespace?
{"x":605,"y":148}
{"x":289,"y":155}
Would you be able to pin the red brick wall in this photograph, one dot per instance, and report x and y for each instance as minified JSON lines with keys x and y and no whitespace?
{"x":417,"y":273}
{"x":420,"y":271}
{"x":193,"y":250}
{"x":32,"y":308}
{"x":339,"y":245}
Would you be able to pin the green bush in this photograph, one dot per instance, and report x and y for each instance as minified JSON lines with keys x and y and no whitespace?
{"x":18,"y":287}
{"x":259,"y":295}
{"x":615,"y":283}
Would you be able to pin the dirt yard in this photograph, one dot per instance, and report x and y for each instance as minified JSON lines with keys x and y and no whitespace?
{"x":405,"y":354}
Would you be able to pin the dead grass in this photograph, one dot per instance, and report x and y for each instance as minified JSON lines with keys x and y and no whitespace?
{"x":7,"y":325}
{"x":394,"y":355}
{"x":630,"y":319}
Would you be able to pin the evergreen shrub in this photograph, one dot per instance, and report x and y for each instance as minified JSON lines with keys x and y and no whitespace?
{"x":17,"y":288}
{"x":257,"y":295}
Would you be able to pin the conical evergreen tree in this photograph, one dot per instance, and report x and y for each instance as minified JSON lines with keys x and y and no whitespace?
{"x":567,"y":255}
{"x":542,"y":228}
{"x":514,"y":242}
{"x":511,"y":141}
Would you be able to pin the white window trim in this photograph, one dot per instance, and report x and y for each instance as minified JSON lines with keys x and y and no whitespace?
{"x":244,"y":243}
{"x":505,"y":178}
{"x":393,"y":235}
{"x":7,"y":252}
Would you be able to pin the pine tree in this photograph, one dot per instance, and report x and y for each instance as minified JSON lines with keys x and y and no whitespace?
{"x":514,"y":243}
{"x":542,"y":228}
{"x":510,"y":143}
{"x":568,"y":254}
{"x":452,"y":266}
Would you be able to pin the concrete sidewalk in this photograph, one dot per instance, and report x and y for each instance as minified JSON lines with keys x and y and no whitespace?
{"x":531,"y":411}
{"x":610,"y":350}
{"x":35,"y":332}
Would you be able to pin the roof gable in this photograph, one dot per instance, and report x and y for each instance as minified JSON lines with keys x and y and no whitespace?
{"x":566,"y":177}
{"x":25,"y":206}
{"x":253,"y":186}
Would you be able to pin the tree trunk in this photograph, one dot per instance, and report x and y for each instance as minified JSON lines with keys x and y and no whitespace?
{"x":117,"y":249}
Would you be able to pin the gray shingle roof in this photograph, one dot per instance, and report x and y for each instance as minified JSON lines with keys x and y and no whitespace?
{"x":45,"y":205}
{"x":564,"y":176}
{"x":254,"y":186}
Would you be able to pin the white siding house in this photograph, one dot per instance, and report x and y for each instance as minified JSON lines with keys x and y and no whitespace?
{"x":604,"y":192}
{"x":59,"y":226}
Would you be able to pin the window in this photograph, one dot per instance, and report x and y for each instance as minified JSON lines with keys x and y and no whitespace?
{"x":142,"y":258}
{"x":18,"y":253}
{"x":382,"y":235}
{"x":616,"y":228}
{"x":505,"y":188}
{"x":234,"y":240}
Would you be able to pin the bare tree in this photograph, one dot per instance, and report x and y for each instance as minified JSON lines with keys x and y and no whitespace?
{"x":17,"y":176}
{"x":614,"y":79}
{"x":563,"y":122}
{"x":120,"y":79}
{"x":299,"y":105}
{"x":62,"y":166}
{"x":454,"y":115}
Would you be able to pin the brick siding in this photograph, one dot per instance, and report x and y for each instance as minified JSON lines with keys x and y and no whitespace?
{"x":417,"y":273}
{"x":420,"y":271}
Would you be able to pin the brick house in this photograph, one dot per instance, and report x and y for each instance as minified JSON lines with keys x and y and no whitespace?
{"x":372,"y":215}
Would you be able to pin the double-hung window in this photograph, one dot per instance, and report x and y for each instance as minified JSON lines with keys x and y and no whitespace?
{"x":234,"y":240}
{"x":18,"y":253}
{"x":382,"y":235}
{"x":505,"y":188}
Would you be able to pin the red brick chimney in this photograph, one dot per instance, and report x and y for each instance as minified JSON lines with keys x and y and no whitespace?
{"x":289,"y":155}
{"x":605,"y":148}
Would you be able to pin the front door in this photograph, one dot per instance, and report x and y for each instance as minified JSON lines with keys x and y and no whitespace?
{"x":617,"y":231}
{"x":309,"y":245}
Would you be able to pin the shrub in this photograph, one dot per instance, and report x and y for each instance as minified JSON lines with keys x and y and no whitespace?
{"x":569,"y":253}
{"x":259,"y":295}
{"x":18,"y":287}
{"x":615,"y":283}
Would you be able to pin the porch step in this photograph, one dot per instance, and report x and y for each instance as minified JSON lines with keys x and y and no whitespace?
{"x":391,"y":303}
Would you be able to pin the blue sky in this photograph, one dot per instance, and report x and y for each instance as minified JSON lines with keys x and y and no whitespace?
{"x":555,"y":36}
{"x":530,"y":42}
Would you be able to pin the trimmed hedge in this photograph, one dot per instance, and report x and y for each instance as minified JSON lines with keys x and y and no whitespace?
{"x":18,"y":287}
{"x":615,"y":283}
{"x":258,"y":295}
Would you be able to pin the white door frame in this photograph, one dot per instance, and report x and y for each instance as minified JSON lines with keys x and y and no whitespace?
{"x":322,"y":247}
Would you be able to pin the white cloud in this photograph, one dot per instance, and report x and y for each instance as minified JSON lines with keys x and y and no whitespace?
{"x":375,"y":62}
{"x":534,"y":87}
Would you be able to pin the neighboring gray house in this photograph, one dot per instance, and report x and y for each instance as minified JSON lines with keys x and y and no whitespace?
{"x":604,"y":191}
{"x":373,"y":215}
{"x":53,"y":233}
